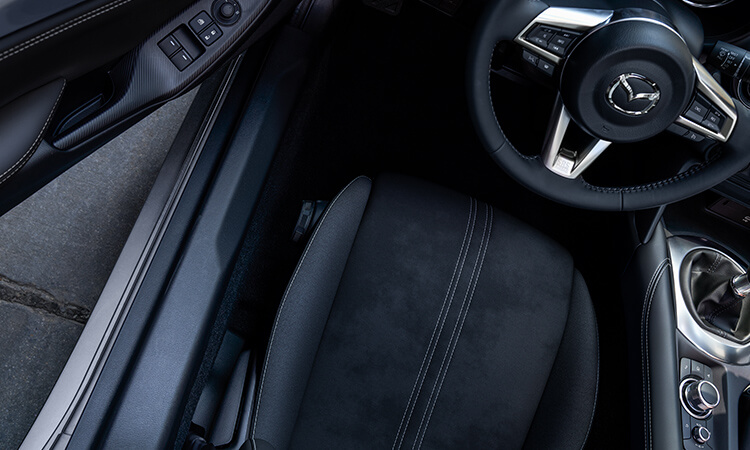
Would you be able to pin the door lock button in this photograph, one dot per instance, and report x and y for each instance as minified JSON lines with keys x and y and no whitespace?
{"x":200,"y":22}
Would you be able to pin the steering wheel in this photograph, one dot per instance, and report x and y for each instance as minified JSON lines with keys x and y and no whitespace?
{"x":623,"y":76}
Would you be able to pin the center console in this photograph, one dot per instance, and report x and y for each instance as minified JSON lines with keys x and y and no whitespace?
{"x":713,"y":345}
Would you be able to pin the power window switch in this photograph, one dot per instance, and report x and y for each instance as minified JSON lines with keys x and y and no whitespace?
{"x":181,"y":60}
{"x":210,"y":35}
{"x":169,"y":45}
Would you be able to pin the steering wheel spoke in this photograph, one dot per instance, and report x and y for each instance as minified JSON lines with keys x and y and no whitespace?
{"x":710,"y":113}
{"x":564,"y":161}
{"x":551,"y":34}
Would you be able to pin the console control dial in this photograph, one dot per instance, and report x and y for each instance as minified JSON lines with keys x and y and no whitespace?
{"x":701,"y":434}
{"x":699,"y":397}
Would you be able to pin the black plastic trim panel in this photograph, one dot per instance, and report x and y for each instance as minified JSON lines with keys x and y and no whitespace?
{"x":142,"y":397}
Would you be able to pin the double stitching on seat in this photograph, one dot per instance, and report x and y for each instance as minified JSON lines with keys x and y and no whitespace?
{"x":645,"y":363}
{"x":473,"y":206}
{"x":453,"y":343}
{"x":286,"y":294}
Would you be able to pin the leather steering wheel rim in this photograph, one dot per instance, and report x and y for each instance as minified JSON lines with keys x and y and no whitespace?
{"x":505,"y":19}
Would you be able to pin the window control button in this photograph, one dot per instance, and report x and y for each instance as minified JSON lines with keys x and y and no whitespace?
{"x":181,"y":60}
{"x":210,"y":35}
{"x":200,"y":22}
{"x":169,"y":45}
{"x":697,"y":111}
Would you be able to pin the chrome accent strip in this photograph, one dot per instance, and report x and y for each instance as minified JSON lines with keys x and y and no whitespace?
{"x":741,"y":285}
{"x":576,"y":19}
{"x":707,"y":5}
{"x":552,"y":157}
{"x":58,"y":418}
{"x":709,"y":343}
{"x":709,"y":87}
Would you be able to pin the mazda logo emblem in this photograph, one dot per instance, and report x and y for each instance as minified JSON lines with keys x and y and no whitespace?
{"x":633,"y":94}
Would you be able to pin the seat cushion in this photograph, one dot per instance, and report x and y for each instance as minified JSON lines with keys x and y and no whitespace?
{"x":421,"y":317}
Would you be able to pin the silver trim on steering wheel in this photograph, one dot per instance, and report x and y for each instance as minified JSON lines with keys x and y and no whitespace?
{"x":567,"y":163}
{"x":708,"y":86}
{"x":576,"y":19}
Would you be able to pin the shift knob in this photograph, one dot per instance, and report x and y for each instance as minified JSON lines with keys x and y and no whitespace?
{"x":741,"y":286}
{"x":701,"y":397}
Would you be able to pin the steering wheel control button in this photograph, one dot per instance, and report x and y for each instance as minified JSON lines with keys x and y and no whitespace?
{"x":530,"y":57}
{"x":541,"y":35}
{"x":713,"y":121}
{"x":556,"y":49}
{"x":697,"y":110}
{"x":693,"y":136}
{"x":546,"y":67}
{"x":181,"y":60}
{"x":169,"y":45}
{"x":554,"y":40}
{"x":200,"y":22}
{"x":210,"y":35}
{"x":226,"y":12}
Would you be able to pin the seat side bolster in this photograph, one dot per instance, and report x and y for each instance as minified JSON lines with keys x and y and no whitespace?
{"x":302,"y":315}
{"x":566,"y":410}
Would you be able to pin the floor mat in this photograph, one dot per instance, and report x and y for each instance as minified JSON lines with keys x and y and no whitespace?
{"x":34,"y":348}
{"x":57,"y":249}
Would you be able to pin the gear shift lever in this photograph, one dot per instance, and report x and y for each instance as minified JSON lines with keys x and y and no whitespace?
{"x":716,"y":292}
{"x":741,"y":286}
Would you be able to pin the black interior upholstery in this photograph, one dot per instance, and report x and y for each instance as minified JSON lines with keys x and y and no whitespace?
{"x":418,"y":316}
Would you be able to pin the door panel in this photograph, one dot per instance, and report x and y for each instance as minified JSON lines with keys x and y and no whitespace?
{"x":108,"y":55}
